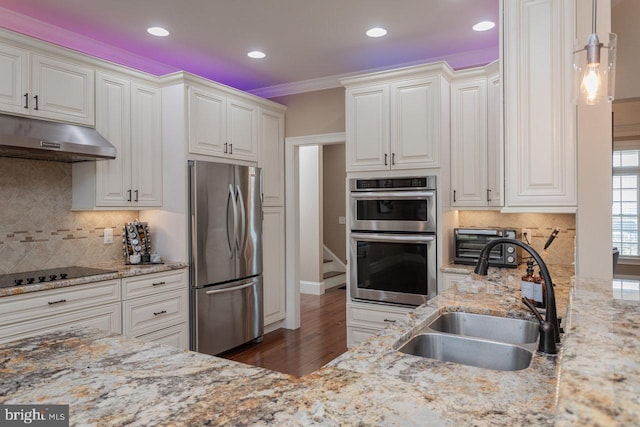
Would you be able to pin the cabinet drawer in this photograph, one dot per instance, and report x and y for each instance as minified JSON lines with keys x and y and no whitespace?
{"x":151,"y":284}
{"x":175,"y":336}
{"x":149,"y":314}
{"x":375,"y":317}
{"x":34,"y":305}
{"x":105,"y":317}
{"x":357,"y":335}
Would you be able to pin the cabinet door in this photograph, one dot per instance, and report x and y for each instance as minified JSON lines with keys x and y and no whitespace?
{"x":105,"y":317}
{"x":113,"y":116}
{"x":539,"y":117}
{"x":14,"y":79}
{"x":469,"y":142}
{"x":207,"y":122}
{"x":146,"y":145}
{"x":272,"y":157}
{"x":273,"y":262}
{"x":242,"y":129}
{"x":495,"y":146}
{"x":64,"y":91}
{"x":367,"y":128}
{"x":175,"y":336}
{"x":415,"y":127}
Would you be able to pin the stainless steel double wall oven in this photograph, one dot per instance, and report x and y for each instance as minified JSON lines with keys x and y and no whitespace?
{"x":393,"y":240}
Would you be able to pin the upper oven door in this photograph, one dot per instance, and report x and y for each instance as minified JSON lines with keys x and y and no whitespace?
{"x":413,"y":211}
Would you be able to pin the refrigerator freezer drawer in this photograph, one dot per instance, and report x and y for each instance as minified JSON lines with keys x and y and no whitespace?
{"x":228,"y":315}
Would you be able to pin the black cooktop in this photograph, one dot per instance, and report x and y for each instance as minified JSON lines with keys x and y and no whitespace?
{"x":49,"y":275}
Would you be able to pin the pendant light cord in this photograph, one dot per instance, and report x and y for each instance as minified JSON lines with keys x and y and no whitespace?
{"x":593,"y":19}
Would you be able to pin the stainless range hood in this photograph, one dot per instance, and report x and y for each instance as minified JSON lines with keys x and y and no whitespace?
{"x":28,"y":138}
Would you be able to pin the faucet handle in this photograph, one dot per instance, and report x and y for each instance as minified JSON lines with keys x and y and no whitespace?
{"x":547,"y":340}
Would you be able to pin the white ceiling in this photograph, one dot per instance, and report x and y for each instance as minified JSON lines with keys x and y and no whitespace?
{"x":303,"y":39}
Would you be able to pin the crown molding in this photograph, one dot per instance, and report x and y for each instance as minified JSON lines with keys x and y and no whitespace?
{"x":460,"y":60}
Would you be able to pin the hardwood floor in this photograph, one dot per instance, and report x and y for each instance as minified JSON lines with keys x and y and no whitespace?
{"x":321,"y":338}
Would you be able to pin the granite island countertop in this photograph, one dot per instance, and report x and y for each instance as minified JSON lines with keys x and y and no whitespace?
{"x":113,"y":380}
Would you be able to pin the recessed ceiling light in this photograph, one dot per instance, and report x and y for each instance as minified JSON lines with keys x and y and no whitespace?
{"x":157,"y":31}
{"x":483,"y":26}
{"x":256,"y":54}
{"x":376,"y":32}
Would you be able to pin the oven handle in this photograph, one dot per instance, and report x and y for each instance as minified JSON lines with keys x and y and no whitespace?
{"x":394,"y":195}
{"x":393,"y":238}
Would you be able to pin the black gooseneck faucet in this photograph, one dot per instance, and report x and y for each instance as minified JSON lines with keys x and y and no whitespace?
{"x":549,"y":328}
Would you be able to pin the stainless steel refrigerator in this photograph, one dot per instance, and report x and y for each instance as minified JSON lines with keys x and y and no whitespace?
{"x":225,"y":213}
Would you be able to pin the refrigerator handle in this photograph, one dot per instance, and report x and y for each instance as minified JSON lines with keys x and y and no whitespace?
{"x":231,"y":198}
{"x":232,"y":289}
{"x":243,"y":218}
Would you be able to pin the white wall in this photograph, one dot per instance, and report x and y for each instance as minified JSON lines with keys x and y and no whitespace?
{"x":593,"y":219}
{"x":310,"y":213}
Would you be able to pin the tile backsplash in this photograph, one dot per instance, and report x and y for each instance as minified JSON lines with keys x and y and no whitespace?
{"x":561,"y":251}
{"x":37,"y":227}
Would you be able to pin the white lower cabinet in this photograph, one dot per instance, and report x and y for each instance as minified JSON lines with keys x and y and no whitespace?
{"x":175,"y":336}
{"x":94,"y":305}
{"x":367,"y":319}
{"x":154,"y":303}
{"x":273,"y":265}
{"x":152,"y":307}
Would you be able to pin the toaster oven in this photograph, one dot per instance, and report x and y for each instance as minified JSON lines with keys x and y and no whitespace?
{"x":468,"y":243}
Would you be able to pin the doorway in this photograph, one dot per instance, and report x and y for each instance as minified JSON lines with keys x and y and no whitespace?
{"x":292,"y":178}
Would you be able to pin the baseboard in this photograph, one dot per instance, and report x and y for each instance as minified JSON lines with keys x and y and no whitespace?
{"x":311,"y":288}
{"x":273,"y":326}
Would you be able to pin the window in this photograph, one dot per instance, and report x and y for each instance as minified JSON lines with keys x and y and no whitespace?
{"x":626,"y":176}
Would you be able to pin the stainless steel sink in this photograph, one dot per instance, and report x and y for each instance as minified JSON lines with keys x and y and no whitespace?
{"x":469,"y":351}
{"x":507,"y":330}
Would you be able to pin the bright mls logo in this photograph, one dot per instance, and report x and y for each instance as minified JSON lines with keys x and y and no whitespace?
{"x":34,"y":415}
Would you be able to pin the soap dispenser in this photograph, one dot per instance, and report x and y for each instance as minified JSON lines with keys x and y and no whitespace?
{"x":532,"y":286}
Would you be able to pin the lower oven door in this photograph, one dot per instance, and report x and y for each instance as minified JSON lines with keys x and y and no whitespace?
{"x":393,"y":268}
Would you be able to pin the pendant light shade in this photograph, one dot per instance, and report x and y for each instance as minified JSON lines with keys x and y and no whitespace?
{"x":594,"y":63}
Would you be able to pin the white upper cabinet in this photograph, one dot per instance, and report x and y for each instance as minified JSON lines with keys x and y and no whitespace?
{"x":128,"y":116}
{"x":272,"y":156}
{"x":469,"y":142}
{"x":396,"y":120}
{"x":540,"y":141}
{"x":222,"y":125}
{"x":44,"y":87}
{"x":476,"y":149}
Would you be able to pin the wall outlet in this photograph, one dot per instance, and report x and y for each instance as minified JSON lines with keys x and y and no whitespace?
{"x":108,"y":236}
{"x":526,"y":235}
{"x":342,"y":220}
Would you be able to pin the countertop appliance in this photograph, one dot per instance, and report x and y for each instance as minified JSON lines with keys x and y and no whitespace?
{"x":468,"y":243}
{"x":393,"y":242}
{"x":225,"y":273}
{"x":49,"y":275}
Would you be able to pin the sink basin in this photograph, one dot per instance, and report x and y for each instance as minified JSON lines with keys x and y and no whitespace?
{"x":514,"y":331}
{"x":469,"y":351}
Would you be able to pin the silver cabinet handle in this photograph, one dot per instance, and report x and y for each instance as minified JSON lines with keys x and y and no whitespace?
{"x":234,"y":288}
{"x":57,"y":302}
{"x":160,"y":312}
{"x":159,"y":283}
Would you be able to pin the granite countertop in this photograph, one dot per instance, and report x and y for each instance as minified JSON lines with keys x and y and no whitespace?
{"x":119,"y":268}
{"x":114,"y":380}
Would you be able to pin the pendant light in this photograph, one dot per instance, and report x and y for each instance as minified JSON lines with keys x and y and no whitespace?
{"x":594,"y":68}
